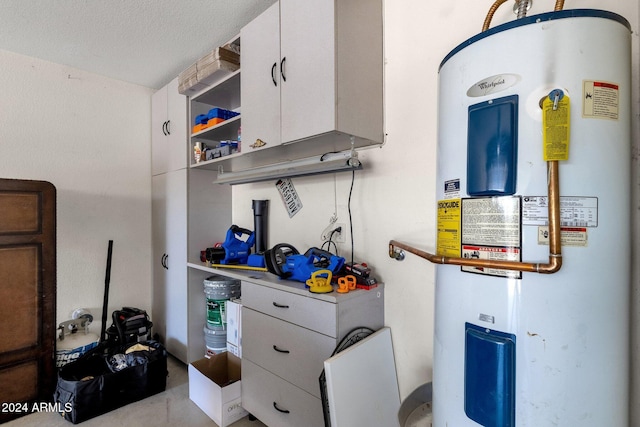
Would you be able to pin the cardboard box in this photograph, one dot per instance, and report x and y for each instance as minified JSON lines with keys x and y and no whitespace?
{"x":214,"y":385}
{"x":188,"y":83}
{"x":234,"y":327}
{"x":211,"y":72}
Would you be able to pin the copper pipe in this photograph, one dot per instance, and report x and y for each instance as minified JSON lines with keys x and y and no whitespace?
{"x":559,"y":5}
{"x":492,"y":10}
{"x":555,"y":245}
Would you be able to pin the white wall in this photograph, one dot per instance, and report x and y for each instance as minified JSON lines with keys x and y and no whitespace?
{"x":394,"y":198}
{"x":90,"y":137}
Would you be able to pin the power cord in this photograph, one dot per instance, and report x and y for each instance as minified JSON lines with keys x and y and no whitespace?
{"x":330,"y":241}
{"x":353,"y":178}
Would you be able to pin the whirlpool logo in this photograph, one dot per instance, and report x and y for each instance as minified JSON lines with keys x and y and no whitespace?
{"x":493,"y":84}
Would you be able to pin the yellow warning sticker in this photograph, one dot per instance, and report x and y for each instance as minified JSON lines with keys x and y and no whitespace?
{"x":556,"y":114}
{"x":600,"y":100}
{"x":448,"y":240}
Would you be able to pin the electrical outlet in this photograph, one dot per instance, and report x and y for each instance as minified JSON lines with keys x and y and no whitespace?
{"x":340,"y":236}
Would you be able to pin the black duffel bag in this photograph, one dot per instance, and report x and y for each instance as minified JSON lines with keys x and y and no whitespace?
{"x":106,"y":378}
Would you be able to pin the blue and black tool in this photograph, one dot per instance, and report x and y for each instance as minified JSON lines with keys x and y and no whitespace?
{"x":234,"y":250}
{"x":286,"y":262}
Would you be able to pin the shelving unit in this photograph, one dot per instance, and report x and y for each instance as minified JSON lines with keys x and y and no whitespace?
{"x":225,"y":94}
{"x":189,"y":212}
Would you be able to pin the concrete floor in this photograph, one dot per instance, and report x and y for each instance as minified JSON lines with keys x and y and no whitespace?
{"x":169,"y":408}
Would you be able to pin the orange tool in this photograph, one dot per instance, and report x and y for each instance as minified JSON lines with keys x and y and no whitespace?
{"x":346,"y":283}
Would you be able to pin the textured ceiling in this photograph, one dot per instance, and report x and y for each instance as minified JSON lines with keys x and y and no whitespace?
{"x":146,"y":42}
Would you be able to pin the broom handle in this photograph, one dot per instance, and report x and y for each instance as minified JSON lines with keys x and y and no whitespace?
{"x":105,"y":301}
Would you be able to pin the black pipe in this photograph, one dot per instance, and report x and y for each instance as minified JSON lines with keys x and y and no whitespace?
{"x":260,"y":224}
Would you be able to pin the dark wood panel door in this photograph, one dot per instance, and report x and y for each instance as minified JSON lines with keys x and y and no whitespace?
{"x":27,"y":295}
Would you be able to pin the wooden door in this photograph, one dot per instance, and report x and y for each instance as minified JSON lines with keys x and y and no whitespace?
{"x":27,"y":295}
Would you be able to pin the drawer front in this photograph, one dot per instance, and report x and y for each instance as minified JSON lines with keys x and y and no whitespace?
{"x":276,"y":402}
{"x":293,"y":353}
{"x":308,"y":312}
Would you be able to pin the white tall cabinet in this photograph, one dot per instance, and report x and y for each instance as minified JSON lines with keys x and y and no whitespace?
{"x":169,"y":222}
{"x":169,"y":217}
{"x":189,"y":214}
{"x":315,"y":69}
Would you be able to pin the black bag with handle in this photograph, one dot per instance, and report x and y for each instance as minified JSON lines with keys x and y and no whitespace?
{"x":125,"y":367}
{"x":130,"y":325}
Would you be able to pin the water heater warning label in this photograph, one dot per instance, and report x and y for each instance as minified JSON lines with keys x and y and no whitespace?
{"x":491,"y":231}
{"x":491,"y":254}
{"x":569,"y":236}
{"x":600,"y":100}
{"x":574,"y":211}
{"x":448,"y":228}
{"x":491,"y":221}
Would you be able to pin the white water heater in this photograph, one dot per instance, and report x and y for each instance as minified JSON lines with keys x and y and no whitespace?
{"x":526,"y":348}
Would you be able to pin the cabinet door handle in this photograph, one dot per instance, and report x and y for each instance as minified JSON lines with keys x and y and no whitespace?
{"x":280,"y":305}
{"x":284,"y":411}
{"x":164,"y":128}
{"x":165,"y":258}
{"x":168,"y":127}
{"x":273,"y":74}
{"x":282,"y":63}
{"x":279,"y":350}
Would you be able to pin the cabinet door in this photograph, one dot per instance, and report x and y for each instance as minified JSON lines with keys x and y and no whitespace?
{"x":277,"y":402}
{"x":293,"y":353}
{"x":177,"y":144}
{"x":159,"y":141}
{"x":260,"y":80}
{"x":308,"y":94}
{"x":169,"y":264}
{"x":168,"y":129}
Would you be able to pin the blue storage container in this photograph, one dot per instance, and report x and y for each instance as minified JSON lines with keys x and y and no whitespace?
{"x":220,"y":113}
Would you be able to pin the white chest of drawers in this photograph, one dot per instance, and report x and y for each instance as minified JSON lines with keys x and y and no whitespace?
{"x":287,"y":334}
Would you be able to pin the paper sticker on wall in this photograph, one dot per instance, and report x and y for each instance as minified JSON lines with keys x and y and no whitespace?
{"x":600,"y":100}
{"x":289,"y":196}
{"x":448,"y":240}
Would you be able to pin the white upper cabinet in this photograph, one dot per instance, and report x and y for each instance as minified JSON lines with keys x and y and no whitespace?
{"x":313,"y":69}
{"x":308,"y":68}
{"x":261,"y":78}
{"x":168,"y":129}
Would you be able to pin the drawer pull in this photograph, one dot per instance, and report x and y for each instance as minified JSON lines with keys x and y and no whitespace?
{"x":284,"y":411}
{"x":280,"y":350}
{"x":280,"y":305}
